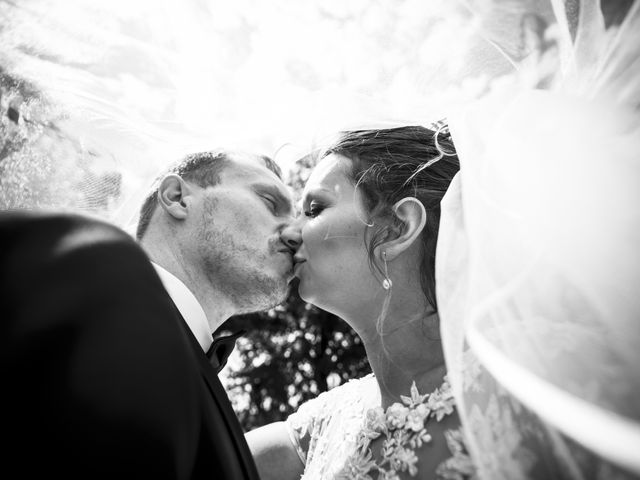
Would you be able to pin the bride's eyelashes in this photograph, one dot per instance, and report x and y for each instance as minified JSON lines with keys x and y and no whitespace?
{"x":314,"y":209}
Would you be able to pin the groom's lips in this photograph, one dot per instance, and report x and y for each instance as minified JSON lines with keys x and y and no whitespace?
{"x":286,"y":251}
{"x":289,"y":253}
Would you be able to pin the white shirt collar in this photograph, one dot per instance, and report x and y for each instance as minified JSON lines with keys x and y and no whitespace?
{"x":188,"y":306}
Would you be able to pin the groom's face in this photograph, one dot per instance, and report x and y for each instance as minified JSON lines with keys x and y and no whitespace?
{"x":237,"y":235}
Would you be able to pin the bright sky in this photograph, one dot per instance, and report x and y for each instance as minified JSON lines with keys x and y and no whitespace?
{"x":148,"y":80}
{"x":265,"y":73}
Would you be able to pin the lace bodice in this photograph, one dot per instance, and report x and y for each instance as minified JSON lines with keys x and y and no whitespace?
{"x":332,"y":433}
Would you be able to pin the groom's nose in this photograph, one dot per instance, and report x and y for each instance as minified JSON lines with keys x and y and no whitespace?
{"x":291,"y":236}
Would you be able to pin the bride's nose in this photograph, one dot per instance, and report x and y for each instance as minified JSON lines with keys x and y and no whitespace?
{"x":291,"y":235}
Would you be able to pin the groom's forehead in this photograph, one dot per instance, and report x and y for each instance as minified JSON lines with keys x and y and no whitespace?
{"x":246,"y":169}
{"x":252,"y":174}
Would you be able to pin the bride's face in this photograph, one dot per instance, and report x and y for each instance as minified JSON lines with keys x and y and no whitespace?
{"x":333,"y":265}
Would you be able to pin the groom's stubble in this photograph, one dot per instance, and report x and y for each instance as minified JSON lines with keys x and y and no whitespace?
{"x":235,"y":264}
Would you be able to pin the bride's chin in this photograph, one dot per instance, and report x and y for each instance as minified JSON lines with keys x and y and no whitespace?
{"x":304,"y":293}
{"x":308,"y":294}
{"x":317,"y":298}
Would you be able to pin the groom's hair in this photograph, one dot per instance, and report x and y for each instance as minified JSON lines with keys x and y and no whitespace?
{"x":202,"y":168}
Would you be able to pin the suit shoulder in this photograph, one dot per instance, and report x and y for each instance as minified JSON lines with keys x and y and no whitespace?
{"x":64,"y":230}
{"x":85,"y":232}
{"x":32,"y":242}
{"x":23,"y":219}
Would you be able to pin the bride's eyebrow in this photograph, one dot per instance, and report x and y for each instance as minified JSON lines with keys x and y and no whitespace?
{"x":313,"y":194}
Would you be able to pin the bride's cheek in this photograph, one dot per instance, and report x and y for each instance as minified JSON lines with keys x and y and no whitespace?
{"x":340,"y":233}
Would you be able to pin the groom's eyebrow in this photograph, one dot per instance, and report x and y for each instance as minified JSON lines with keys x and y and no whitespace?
{"x":283,"y":201}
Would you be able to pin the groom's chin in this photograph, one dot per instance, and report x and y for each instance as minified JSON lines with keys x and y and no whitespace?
{"x":262,"y":294}
{"x":278,"y":292}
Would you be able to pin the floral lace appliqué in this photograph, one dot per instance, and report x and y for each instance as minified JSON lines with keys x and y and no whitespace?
{"x":404,"y":427}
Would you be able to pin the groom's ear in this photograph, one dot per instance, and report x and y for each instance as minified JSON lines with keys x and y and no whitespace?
{"x":412,"y":216}
{"x":172,"y":194}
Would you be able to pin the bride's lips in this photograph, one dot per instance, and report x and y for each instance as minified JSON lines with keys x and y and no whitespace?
{"x":297,"y":261}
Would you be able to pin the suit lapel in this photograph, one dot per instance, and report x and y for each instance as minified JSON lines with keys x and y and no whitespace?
{"x":220,"y":398}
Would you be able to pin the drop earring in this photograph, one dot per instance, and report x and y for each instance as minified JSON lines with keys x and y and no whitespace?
{"x":386,"y":283}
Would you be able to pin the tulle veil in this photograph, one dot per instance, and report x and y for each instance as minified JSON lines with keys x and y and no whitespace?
{"x":537,"y":266}
{"x":537,"y":269}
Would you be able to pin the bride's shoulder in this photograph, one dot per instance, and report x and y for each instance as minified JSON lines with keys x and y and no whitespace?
{"x":364,"y":387}
{"x":354,"y":394}
{"x":356,"y":384}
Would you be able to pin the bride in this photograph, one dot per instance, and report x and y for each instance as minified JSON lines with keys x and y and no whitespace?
{"x":367,"y":236}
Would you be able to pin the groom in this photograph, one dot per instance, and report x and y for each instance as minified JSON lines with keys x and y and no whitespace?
{"x":105,"y":364}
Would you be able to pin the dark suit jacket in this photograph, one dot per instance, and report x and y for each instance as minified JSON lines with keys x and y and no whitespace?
{"x":101,"y":377}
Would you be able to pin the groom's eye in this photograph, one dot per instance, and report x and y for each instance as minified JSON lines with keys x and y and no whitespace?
{"x":270,"y":203}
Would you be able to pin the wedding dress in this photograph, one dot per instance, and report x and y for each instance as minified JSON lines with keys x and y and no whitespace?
{"x":333,"y":432}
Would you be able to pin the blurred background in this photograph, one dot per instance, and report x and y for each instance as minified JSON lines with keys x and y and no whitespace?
{"x":97,"y":97}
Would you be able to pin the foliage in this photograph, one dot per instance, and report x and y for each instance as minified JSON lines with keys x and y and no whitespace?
{"x":43,"y":163}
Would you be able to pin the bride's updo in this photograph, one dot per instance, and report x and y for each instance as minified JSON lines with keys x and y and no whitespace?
{"x":391,"y":164}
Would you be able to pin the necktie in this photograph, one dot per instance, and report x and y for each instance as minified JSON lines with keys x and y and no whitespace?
{"x":221,"y":348}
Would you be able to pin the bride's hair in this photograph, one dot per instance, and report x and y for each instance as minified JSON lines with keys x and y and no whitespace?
{"x":388,"y":165}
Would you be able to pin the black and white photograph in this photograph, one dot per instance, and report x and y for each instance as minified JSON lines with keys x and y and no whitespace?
{"x":320,"y":239}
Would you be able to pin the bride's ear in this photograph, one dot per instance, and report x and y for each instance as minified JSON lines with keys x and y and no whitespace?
{"x":172,"y":194}
{"x":413,"y":217}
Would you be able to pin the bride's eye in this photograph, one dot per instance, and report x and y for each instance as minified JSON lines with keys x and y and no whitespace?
{"x":314,"y":209}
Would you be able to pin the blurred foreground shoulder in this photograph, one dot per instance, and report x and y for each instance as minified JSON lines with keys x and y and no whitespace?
{"x":32,"y":244}
{"x":84,"y":315}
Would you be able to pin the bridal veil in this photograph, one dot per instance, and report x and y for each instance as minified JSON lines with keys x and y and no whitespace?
{"x":537,"y":268}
